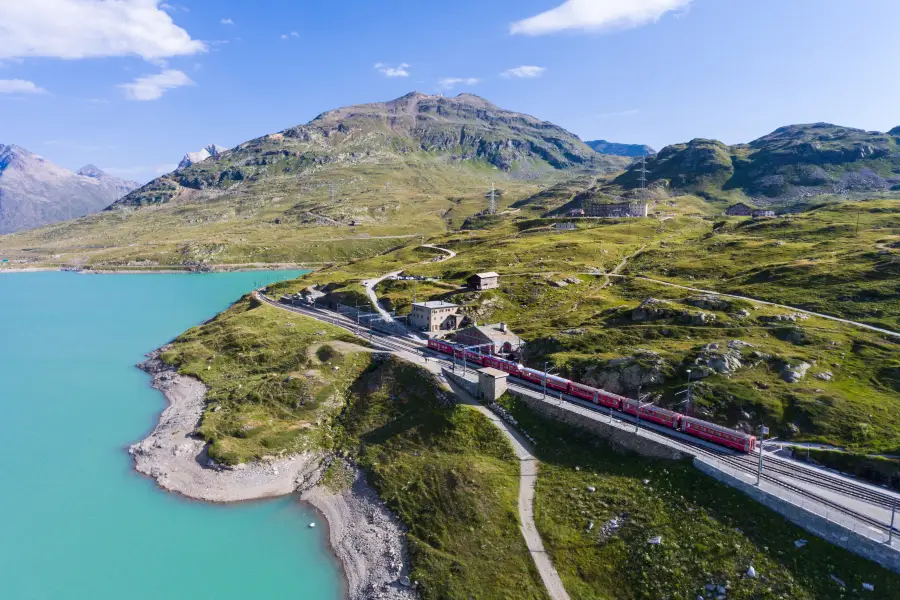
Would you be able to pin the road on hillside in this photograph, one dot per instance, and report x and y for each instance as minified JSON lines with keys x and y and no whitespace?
{"x":370,"y":284}
{"x":450,"y":253}
{"x":764,"y":302}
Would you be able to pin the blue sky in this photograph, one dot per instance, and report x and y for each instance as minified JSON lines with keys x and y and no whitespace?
{"x":133,"y":85}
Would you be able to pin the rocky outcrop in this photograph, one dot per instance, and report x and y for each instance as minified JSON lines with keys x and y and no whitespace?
{"x":709,"y":302}
{"x":626,"y":375}
{"x":652,"y":309}
{"x":793,"y":373}
{"x":715,"y":358}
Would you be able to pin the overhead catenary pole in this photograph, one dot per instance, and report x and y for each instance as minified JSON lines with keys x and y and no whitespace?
{"x":893,"y":514}
{"x":763,"y":431}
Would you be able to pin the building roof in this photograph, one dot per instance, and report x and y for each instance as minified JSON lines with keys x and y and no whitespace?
{"x":486,"y":275}
{"x":495,"y":373}
{"x":493,"y":333}
{"x":436,"y":304}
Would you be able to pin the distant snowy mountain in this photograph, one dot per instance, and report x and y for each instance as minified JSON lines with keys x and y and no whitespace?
{"x":35,"y":192}
{"x":194,"y":157}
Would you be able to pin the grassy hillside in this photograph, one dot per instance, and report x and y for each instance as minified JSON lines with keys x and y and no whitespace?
{"x":709,"y":533}
{"x":556,"y":291}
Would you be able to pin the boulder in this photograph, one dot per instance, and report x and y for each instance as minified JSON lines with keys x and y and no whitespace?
{"x":709,"y":302}
{"x":824,"y":376}
{"x":794,"y":373}
{"x":626,"y":374}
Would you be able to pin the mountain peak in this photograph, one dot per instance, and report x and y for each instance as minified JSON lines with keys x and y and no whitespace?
{"x":90,"y":170}
{"x":212,"y":150}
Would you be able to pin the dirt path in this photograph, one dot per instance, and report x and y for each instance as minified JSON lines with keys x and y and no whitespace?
{"x":370,"y":284}
{"x":527,"y":481}
{"x":450,"y":253}
{"x":618,"y":267}
{"x":763,"y":302}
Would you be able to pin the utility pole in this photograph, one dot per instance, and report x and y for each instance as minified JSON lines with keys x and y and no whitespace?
{"x":688,"y":407}
{"x":893,"y":514}
{"x":643,"y":176}
{"x":763,"y":431}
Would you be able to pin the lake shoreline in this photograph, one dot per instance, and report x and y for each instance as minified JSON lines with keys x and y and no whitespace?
{"x":368,"y":541}
{"x":172,"y":270}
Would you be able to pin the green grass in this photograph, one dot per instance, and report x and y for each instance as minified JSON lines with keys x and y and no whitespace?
{"x":710,"y":533}
{"x":274,"y":381}
{"x":450,"y":476}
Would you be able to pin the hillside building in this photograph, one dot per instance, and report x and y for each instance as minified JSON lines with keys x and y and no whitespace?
{"x":763,"y":214}
{"x":740,"y":210}
{"x":567,"y":226}
{"x":617,"y":210}
{"x":434,"y":315}
{"x":496,"y":338}
{"x":484,"y":281}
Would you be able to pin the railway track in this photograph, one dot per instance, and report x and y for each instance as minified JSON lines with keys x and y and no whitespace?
{"x":773,"y":472}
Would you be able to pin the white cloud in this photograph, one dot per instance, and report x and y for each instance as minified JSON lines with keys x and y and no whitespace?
{"x":401,"y":70}
{"x":622,"y":113}
{"x":152,"y":87}
{"x":19,"y":86}
{"x":287,"y":36}
{"x":226,"y":22}
{"x":597,"y":15}
{"x":524,"y":72}
{"x":448,"y":83}
{"x":72,"y":29}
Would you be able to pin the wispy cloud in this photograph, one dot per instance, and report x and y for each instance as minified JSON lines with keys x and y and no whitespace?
{"x":74,"y":29}
{"x":448,"y":83}
{"x":226,"y":21}
{"x":524,"y":72}
{"x":597,"y":15}
{"x":621,"y":113}
{"x":174,"y":7}
{"x":152,"y":87}
{"x":287,"y":36}
{"x":401,"y":70}
{"x":20,"y":86}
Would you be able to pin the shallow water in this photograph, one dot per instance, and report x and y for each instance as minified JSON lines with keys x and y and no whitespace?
{"x":78,"y":522}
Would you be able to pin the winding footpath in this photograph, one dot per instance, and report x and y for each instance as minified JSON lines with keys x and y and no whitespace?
{"x":528,"y":472}
{"x":450,"y":253}
{"x":528,"y":469}
{"x":370,"y":284}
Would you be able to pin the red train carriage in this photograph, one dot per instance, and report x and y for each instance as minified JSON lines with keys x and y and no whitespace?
{"x":553,"y":382}
{"x":651,"y":412}
{"x":584,"y":392}
{"x":718,"y":435}
{"x":475,"y":358}
{"x":610,"y":400}
{"x":441,"y":346}
{"x":506,"y":366}
{"x":532,"y":375}
{"x":558,"y":383}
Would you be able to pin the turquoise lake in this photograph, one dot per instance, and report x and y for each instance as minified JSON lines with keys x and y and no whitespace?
{"x":78,"y":522}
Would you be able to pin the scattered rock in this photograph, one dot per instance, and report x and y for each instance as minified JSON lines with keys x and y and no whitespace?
{"x":655,"y":540}
{"x":751,"y":572}
{"x":591,"y":489}
{"x":868,"y":587}
{"x":824,"y":376}
{"x":800,"y":543}
{"x":840,"y":582}
{"x":709,"y":302}
{"x":794,"y":373}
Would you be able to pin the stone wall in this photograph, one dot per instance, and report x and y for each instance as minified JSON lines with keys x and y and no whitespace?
{"x":886,"y":556}
{"x":465,"y":383}
{"x":623,"y":438}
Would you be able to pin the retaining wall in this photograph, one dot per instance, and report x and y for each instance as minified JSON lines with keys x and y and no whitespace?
{"x":623,"y":438}
{"x":464,"y":382}
{"x":886,"y":556}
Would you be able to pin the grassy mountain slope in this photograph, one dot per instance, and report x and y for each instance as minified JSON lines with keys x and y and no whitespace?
{"x":555,"y":292}
{"x":326,"y":190}
{"x":789,"y":165}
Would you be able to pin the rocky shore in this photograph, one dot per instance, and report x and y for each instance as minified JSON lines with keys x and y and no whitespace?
{"x":366,"y":537}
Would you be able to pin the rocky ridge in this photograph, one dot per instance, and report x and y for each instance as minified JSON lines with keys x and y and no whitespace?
{"x":36,"y":192}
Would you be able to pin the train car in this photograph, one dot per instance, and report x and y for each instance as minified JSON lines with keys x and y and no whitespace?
{"x":651,"y":412}
{"x":718,"y":434}
{"x":506,"y":366}
{"x":441,"y":346}
{"x":475,"y":358}
{"x":584,"y":392}
{"x":558,"y":383}
{"x":609,"y":400}
{"x":532,"y":375}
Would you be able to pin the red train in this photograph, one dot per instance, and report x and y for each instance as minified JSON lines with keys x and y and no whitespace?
{"x":648,"y":412}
